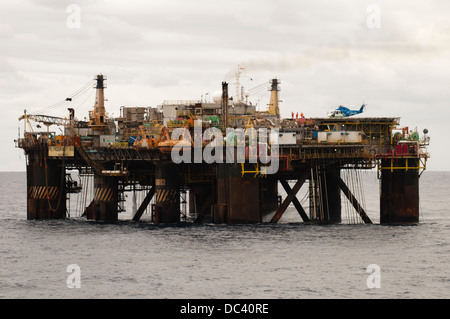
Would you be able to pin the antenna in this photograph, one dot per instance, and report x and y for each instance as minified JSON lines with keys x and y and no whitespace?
{"x":238,"y":84}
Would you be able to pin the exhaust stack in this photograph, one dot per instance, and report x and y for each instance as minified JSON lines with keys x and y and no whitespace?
{"x":273,"y":104}
{"x":97,"y":116}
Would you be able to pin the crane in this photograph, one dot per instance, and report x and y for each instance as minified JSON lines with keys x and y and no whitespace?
{"x":48,"y":120}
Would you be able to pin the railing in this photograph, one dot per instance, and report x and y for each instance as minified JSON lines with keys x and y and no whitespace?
{"x":180,"y":102}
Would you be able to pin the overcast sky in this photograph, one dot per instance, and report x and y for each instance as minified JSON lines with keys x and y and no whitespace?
{"x":392,"y":55}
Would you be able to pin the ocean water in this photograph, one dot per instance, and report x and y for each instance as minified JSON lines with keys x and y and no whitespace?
{"x":289,"y":260}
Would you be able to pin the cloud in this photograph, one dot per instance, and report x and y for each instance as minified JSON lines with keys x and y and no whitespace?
{"x":322,"y":51}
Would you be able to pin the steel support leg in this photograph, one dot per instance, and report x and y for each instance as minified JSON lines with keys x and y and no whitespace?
{"x":167,"y":192}
{"x":399,"y":192}
{"x":104,"y":206}
{"x":351,"y":198}
{"x":46,"y":196}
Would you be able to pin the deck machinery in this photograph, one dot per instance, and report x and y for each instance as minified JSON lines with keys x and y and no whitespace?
{"x":137,"y":150}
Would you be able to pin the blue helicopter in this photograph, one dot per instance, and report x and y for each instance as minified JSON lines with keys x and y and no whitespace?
{"x":343,"y":111}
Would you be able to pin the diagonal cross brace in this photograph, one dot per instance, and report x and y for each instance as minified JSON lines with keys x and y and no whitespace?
{"x":297,"y":204}
{"x":350,"y":197}
{"x":144,"y":204}
{"x":289,"y":199}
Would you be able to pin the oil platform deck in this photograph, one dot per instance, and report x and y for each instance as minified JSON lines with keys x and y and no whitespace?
{"x":228,"y":159}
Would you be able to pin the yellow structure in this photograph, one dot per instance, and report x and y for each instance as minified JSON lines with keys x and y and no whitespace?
{"x":273,"y":104}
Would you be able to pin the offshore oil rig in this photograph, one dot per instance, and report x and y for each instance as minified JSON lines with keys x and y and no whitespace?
{"x":224,"y":158}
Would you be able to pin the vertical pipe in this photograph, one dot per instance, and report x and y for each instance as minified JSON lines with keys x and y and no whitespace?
{"x":224,"y":106}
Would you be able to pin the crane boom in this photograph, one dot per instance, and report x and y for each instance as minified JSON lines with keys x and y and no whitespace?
{"x":46,"y":119}
{"x":52,"y":120}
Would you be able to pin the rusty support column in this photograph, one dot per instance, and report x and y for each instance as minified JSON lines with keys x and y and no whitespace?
{"x":333,"y":195}
{"x":167,"y":191}
{"x":203,"y":202}
{"x":268,"y":195}
{"x":220,"y":207}
{"x":350,"y":197}
{"x":325,"y":194}
{"x":399,"y":191}
{"x":46,"y":198}
{"x":104,"y":206}
{"x":237,"y":197}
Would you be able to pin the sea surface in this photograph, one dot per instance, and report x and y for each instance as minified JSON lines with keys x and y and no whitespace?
{"x":288,"y":260}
